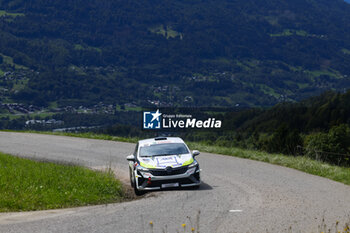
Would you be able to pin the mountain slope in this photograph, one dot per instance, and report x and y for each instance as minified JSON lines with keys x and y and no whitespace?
{"x":203,"y":52}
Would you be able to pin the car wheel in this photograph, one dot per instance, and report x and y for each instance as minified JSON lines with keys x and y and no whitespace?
{"x":137,"y":191}
{"x":132,"y":180}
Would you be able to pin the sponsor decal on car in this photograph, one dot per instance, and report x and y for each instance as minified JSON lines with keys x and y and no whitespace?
{"x":166,"y":161}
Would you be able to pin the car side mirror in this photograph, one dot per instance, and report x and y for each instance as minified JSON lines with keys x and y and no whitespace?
{"x":130,"y":158}
{"x":195,"y":152}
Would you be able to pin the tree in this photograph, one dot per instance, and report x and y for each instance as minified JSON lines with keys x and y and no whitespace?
{"x":284,"y":140}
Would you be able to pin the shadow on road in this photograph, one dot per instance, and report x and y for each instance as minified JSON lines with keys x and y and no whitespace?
{"x":203,"y":187}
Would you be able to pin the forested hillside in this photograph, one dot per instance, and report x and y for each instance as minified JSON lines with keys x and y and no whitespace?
{"x":184,"y":53}
{"x":318,"y":127}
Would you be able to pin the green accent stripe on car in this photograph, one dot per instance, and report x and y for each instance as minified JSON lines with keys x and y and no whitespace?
{"x":188,"y":162}
{"x":146,"y":165}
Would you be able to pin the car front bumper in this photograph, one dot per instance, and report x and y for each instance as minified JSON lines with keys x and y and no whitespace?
{"x":147,"y":181}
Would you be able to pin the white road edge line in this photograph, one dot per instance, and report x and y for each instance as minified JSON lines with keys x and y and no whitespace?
{"x":235,"y":211}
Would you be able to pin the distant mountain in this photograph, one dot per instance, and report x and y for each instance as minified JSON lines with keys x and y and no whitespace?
{"x":198,"y":52}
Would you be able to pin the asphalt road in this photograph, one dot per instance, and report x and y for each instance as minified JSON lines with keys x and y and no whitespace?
{"x":237,"y":195}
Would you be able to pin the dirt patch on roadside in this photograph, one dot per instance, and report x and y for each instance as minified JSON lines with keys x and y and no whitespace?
{"x":123,"y":175}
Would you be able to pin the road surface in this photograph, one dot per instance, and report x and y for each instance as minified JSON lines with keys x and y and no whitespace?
{"x":237,"y":195}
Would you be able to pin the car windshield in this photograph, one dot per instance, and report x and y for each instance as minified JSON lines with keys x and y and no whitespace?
{"x":163,"y":149}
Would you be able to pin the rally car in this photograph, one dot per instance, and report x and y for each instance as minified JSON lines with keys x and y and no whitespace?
{"x":163,"y":162}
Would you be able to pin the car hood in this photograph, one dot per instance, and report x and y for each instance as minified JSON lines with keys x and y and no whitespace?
{"x":166,"y":161}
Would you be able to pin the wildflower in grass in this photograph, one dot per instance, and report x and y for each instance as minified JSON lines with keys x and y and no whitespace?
{"x":192,"y":229}
{"x":151,"y":226}
{"x":183,"y":225}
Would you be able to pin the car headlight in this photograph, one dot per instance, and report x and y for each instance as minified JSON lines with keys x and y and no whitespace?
{"x":146,"y":174}
{"x":142,"y":169}
{"x":191,"y":170}
{"x":192,"y":167}
{"x":194,"y":164}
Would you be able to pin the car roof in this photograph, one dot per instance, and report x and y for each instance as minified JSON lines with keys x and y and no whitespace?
{"x":160,"y":140}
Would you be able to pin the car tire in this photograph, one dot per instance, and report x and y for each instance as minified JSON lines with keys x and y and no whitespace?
{"x":138,"y":192}
{"x":132,"y":180}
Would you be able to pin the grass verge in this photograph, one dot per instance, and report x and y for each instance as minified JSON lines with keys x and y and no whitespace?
{"x":32,"y":185}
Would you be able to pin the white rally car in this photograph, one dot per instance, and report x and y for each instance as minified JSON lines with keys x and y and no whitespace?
{"x":163,"y":162}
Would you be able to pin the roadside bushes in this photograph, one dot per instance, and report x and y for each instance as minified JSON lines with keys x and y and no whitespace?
{"x":332,"y":147}
{"x":284,"y":140}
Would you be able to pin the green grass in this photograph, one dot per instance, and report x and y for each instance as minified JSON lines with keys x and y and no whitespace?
{"x":219,"y":60}
{"x":127,"y":108}
{"x":9,"y":115}
{"x":42,"y":114}
{"x":5,"y":13}
{"x":247,"y":64}
{"x":77,"y":70}
{"x":78,"y":47}
{"x":290,"y":32}
{"x":317,"y":73}
{"x":346,"y":51}
{"x":32,"y":185}
{"x":303,"y":85}
{"x":19,"y":85}
{"x":268,"y":90}
{"x":9,"y":61}
{"x":166,"y":31}
{"x":32,"y":115}
{"x":272,"y":20}
{"x":53,"y":104}
{"x":81,"y":47}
